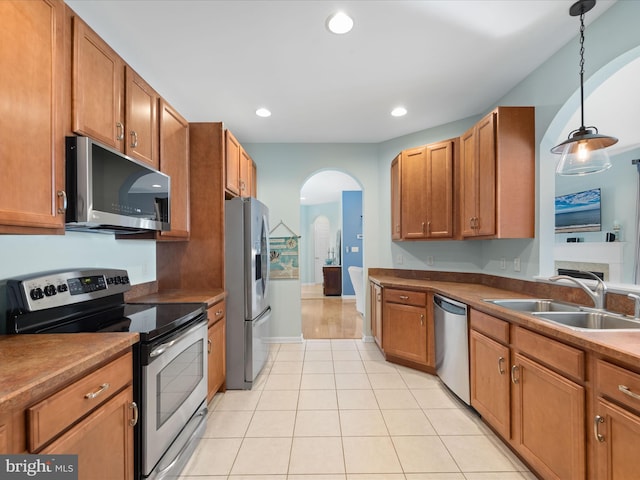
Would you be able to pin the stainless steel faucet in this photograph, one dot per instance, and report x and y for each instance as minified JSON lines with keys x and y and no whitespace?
{"x":599,"y":295}
{"x":636,"y":298}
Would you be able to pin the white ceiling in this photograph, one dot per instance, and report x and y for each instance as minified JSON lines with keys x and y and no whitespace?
{"x":443,"y":60}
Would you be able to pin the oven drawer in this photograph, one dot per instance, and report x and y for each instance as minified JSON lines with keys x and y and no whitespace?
{"x":54,"y":414}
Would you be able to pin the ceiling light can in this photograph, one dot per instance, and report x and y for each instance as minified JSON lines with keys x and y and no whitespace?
{"x":399,"y":112}
{"x":339,"y":23}
{"x":263,"y":112}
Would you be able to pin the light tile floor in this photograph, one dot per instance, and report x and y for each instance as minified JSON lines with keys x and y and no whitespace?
{"x":335,"y":410}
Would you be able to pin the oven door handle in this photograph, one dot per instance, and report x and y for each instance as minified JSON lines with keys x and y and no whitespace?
{"x":163,"y":347}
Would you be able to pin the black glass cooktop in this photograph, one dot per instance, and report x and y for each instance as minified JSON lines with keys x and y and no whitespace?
{"x":151,"y":321}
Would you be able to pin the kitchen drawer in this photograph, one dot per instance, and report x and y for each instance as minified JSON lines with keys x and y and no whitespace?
{"x":565,"y":359}
{"x":216,"y":312}
{"x":613,"y":381}
{"x":53,"y":415}
{"x":492,"y":327}
{"x":406,"y":297}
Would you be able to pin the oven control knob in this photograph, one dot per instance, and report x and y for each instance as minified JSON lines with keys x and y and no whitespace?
{"x":62,"y":288}
{"x":36,"y":293}
{"x":49,"y":290}
{"x":125,"y":279}
{"x":117,"y":280}
{"x":109,"y":280}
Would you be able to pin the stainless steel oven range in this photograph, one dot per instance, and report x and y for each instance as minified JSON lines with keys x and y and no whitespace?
{"x":170,"y":371}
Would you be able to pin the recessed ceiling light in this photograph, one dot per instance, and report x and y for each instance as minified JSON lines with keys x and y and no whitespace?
{"x":399,"y":112}
{"x":339,"y":23}
{"x":263,"y":112}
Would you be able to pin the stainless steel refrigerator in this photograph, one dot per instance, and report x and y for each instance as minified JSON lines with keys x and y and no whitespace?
{"x":247,"y":285}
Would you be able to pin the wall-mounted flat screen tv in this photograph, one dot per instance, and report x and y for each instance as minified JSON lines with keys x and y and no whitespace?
{"x":578,"y":212}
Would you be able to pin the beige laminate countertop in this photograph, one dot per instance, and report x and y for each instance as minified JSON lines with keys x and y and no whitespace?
{"x":623,"y":346}
{"x":33,"y":366}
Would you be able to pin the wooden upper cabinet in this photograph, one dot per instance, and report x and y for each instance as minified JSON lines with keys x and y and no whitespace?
{"x":497,"y":158}
{"x":98,"y":88}
{"x":254,"y":179}
{"x":31,"y":87}
{"x":413,"y":198}
{"x":245,"y":181}
{"x":439,"y":189}
{"x":232,"y":164}
{"x":110,"y":102}
{"x":396,"y":210}
{"x":422,"y":184}
{"x":174,"y":161}
{"x":141,"y":119}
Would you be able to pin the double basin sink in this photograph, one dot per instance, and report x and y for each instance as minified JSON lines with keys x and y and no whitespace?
{"x":569,"y":315}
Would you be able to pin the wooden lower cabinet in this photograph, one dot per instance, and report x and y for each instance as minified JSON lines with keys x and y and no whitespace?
{"x":618,"y":432}
{"x":216,"y":349}
{"x":531,"y":390}
{"x":375,"y":292}
{"x":616,"y":422}
{"x":408,"y":327}
{"x":490,"y":382}
{"x":549,"y":420}
{"x":332,"y":280}
{"x":103,"y":441}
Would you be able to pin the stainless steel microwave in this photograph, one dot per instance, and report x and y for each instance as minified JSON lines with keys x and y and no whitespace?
{"x":110,"y":192}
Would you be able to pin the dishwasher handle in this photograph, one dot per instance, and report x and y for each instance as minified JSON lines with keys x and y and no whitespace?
{"x":449,"y":305}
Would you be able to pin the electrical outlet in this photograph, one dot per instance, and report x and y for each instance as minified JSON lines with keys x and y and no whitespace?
{"x":430,"y":260}
{"x":503,"y":263}
{"x":399,"y":259}
{"x":516,"y":264}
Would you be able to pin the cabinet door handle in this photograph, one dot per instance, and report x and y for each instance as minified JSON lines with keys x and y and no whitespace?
{"x":134,"y":139}
{"x":515,"y":380}
{"x":62,"y":194}
{"x":119,"y":131}
{"x":422,"y":319}
{"x":428,"y":228}
{"x":624,"y":389}
{"x":92,"y":395}
{"x":134,"y":406}
{"x":500,"y":363}
{"x":209,"y":344}
{"x":596,"y":423}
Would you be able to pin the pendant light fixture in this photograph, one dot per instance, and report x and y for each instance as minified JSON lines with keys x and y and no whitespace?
{"x":583,"y":152}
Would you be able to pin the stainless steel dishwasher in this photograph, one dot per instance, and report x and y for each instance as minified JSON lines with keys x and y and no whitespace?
{"x":452,"y":345}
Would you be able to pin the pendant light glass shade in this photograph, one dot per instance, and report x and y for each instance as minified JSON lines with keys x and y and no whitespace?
{"x":583,"y":152}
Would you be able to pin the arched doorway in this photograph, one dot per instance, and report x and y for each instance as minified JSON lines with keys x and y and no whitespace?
{"x":331,"y":224}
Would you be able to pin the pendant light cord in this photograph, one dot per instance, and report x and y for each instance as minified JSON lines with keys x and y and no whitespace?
{"x":582,"y":70}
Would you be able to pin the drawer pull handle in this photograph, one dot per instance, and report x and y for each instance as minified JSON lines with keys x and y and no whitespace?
{"x":624,"y":389}
{"x":92,"y":395}
{"x":404,"y":297}
{"x":596,"y":423}
{"x":218,"y":313}
{"x":134,"y":406}
{"x":209,"y":347}
{"x":513,"y":375}
{"x":500,"y":363}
